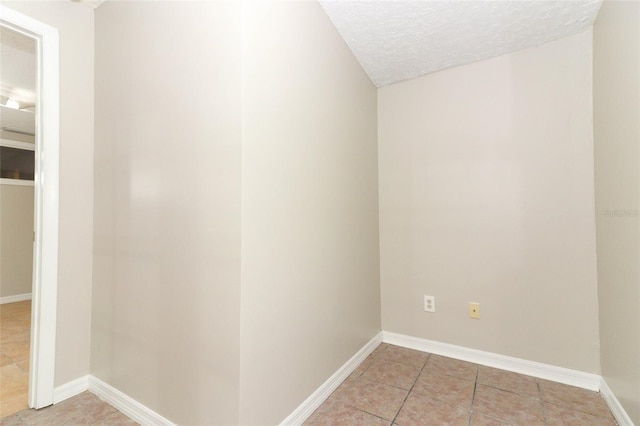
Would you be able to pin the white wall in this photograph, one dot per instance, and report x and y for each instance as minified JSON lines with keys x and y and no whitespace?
{"x":617,"y":139}
{"x":74,"y":22}
{"x":166,"y":287}
{"x":16,"y":239}
{"x":310,"y":283}
{"x":486,"y":195}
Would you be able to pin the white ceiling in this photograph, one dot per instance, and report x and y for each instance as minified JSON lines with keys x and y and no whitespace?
{"x":17,"y":66}
{"x":399,"y":40}
{"x":18,"y":69}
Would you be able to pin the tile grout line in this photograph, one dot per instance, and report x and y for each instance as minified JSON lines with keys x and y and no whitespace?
{"x":373,"y":360}
{"x":473,"y":397}
{"x":410,"y":389}
{"x":544,"y":408}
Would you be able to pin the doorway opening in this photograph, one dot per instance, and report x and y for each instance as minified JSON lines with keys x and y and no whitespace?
{"x":45,"y":199}
{"x":18,"y":68}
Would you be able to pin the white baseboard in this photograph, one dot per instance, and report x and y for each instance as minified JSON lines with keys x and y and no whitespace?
{"x":530,"y":368}
{"x":70,"y":389}
{"x":146,"y":416}
{"x":124,"y":403}
{"x":15,"y":298}
{"x":316,"y":399}
{"x":618,"y":412}
{"x":127,"y":405}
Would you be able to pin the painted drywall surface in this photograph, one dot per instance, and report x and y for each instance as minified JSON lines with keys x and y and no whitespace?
{"x":165,"y":326}
{"x":75,"y":26}
{"x":16,"y":239}
{"x":616,"y":87}
{"x":486,"y":195}
{"x":310,"y":280}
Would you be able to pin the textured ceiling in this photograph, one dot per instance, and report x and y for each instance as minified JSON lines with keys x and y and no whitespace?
{"x":399,"y":40}
{"x":91,"y":3}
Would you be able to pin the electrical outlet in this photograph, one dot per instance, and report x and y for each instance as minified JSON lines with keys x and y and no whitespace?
{"x":430,"y":303}
{"x":474,"y":310}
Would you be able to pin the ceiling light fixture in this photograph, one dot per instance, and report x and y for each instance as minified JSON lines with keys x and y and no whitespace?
{"x":11,"y":103}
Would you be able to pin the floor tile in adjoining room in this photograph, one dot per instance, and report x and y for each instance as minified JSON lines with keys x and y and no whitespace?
{"x":15,"y":320}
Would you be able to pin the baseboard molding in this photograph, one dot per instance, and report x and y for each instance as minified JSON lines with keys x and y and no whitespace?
{"x":127,"y":405}
{"x":616,"y":408}
{"x":15,"y":298}
{"x":106,"y":392}
{"x":530,"y":368}
{"x":145,"y":416}
{"x":70,"y":389}
{"x":316,"y":399}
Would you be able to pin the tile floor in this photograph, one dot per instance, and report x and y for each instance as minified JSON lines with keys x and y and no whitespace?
{"x":83,"y":409}
{"x":393,"y":386}
{"x":404,"y":387}
{"x":15,"y":327}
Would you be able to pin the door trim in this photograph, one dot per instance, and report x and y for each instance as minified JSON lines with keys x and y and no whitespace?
{"x":45,"y":253}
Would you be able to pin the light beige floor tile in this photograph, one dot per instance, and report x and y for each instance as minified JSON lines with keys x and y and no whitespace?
{"x":17,"y":350}
{"x":449,"y":389}
{"x":24,"y":365}
{"x":562,"y":416}
{"x":82,"y":409}
{"x":419,"y":411}
{"x":392,"y":373}
{"x":405,"y":356}
{"x":9,"y":406}
{"x":478,"y":419}
{"x":340,"y":414}
{"x":380,"y":349}
{"x":445,"y":386}
{"x":506,"y":380}
{"x":453,"y":367}
{"x":14,"y":420}
{"x":4,"y":360}
{"x":116,"y":419}
{"x":574,"y":398}
{"x":363,"y":366}
{"x":11,"y":309}
{"x":13,"y":382}
{"x":375,"y":398}
{"x":507,"y":406}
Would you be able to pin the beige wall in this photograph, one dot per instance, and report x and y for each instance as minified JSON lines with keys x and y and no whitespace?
{"x":486,"y":195}
{"x":166,"y":301}
{"x":616,"y":88}
{"x":74,"y":22}
{"x":166,"y":290}
{"x":310,"y":283}
{"x":16,"y":239}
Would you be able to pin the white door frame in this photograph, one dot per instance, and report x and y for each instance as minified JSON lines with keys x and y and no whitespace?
{"x":45,"y":253}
